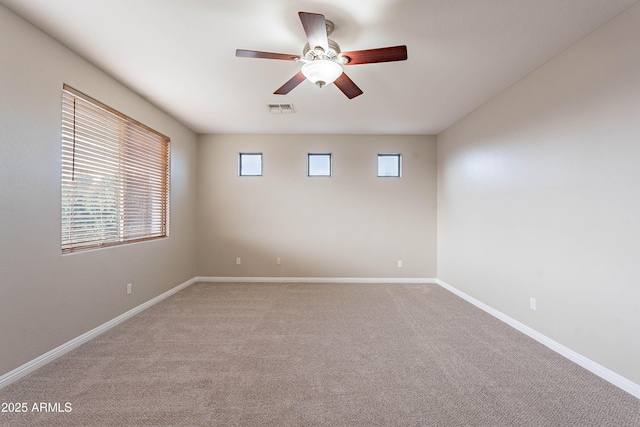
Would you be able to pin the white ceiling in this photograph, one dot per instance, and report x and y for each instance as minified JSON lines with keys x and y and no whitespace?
{"x":181,"y":56}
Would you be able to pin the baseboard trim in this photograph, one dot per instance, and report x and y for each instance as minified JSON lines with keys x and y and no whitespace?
{"x":221,"y":279}
{"x":42,"y":360}
{"x":599,"y":370}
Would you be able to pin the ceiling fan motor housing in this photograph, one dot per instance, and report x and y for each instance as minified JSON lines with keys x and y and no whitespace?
{"x":319,"y":53}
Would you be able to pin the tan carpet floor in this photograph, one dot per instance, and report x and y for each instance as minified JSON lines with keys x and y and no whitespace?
{"x":283,"y":354}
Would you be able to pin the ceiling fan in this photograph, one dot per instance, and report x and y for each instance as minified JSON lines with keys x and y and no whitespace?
{"x":322,"y":59}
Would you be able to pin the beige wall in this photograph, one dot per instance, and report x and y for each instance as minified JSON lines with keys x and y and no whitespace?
{"x":350,"y":225}
{"x":47,"y":299}
{"x":538,"y":196}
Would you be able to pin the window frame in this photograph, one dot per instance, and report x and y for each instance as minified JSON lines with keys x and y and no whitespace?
{"x":240,"y":155}
{"x":116,"y":177}
{"x":310,"y":155}
{"x":399,"y":163}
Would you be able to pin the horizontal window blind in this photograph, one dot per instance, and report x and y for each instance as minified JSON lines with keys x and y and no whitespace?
{"x":115,"y":176}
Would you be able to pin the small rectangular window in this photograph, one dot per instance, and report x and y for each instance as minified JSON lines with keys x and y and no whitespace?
{"x":115,"y":176}
{"x":319,"y":164}
{"x":389,"y":165}
{"x":250,"y":164}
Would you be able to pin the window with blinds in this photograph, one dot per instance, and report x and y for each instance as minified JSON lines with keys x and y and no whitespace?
{"x":115,"y":176}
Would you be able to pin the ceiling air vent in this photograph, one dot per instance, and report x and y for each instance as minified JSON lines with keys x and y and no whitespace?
{"x":280,"y":108}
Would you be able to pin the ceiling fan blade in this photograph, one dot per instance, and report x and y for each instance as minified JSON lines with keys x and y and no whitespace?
{"x":291,"y":84}
{"x":316,"y":29}
{"x":243,"y":53}
{"x":370,"y":56}
{"x":347,"y":86}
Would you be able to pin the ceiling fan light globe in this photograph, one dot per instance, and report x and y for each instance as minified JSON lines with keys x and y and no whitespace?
{"x":321,"y":72}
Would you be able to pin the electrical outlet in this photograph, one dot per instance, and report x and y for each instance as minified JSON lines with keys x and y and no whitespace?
{"x":278,"y":261}
{"x":399,"y":263}
{"x":532,"y":303}
{"x":238,"y":261}
{"x":128,"y":288}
